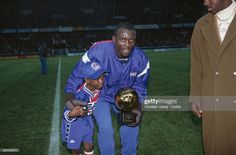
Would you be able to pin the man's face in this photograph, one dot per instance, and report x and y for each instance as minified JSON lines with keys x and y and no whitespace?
{"x":215,"y":6}
{"x":124,"y":42}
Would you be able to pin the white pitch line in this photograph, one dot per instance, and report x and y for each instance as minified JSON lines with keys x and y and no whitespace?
{"x":54,"y":135}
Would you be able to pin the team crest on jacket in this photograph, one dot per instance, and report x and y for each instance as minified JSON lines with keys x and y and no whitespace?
{"x":133,"y":74}
{"x":95,"y":66}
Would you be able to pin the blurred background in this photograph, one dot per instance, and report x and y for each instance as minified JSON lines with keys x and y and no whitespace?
{"x":71,"y":26}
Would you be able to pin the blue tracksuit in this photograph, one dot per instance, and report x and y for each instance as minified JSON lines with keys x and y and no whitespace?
{"x":77,"y":130}
{"x":133,"y":73}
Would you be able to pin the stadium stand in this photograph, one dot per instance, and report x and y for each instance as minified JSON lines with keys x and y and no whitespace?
{"x":76,"y":24}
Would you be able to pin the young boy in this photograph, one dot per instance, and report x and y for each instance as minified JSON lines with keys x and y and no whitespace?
{"x":77,"y":124}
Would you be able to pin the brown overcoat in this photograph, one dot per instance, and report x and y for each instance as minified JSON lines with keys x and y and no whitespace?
{"x":213,"y":77}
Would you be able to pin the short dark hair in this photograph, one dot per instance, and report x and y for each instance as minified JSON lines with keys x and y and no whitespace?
{"x":124,"y":25}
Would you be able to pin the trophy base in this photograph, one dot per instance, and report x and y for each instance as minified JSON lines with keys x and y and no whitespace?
{"x":127,"y":118}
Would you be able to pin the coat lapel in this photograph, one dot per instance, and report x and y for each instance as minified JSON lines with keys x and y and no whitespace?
{"x":230,"y":34}
{"x":210,"y":33}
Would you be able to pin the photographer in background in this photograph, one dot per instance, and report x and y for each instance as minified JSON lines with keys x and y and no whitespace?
{"x":43,"y":53}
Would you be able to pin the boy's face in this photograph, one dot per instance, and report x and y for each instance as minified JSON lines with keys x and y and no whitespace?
{"x":96,"y":84}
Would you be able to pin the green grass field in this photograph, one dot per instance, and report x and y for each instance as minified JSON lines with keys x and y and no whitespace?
{"x":27,"y":98}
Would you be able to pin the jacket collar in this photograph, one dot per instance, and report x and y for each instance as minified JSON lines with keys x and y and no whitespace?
{"x":210,"y":32}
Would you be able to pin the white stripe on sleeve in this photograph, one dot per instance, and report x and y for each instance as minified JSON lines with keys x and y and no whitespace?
{"x":145,"y":70}
{"x":85,"y":58}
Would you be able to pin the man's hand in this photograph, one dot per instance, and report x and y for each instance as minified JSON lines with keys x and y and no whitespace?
{"x":138,"y":118}
{"x":197,"y":110}
{"x":70,"y":96}
{"x":71,"y":104}
{"x":69,"y":101}
{"x":76,"y":112}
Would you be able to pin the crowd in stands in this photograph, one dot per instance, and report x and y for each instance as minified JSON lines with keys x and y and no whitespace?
{"x":82,"y":40}
{"x":25,"y":14}
{"x":75,"y":13}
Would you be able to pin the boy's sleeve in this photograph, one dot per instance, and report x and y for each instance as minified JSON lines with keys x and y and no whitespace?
{"x":66,"y":116}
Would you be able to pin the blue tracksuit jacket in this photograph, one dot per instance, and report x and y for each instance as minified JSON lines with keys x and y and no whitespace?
{"x":133,"y":73}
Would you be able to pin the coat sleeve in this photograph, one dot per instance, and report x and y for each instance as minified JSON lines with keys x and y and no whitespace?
{"x":196,"y":75}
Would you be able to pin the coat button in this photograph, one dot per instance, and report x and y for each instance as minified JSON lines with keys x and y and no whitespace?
{"x":234,"y":73}
{"x":217,"y":73}
{"x":217,"y":99}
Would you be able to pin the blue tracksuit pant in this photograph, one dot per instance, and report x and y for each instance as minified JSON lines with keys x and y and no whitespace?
{"x":128,"y":135}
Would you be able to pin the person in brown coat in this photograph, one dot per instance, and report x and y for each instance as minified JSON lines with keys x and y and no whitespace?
{"x":213,"y":76}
